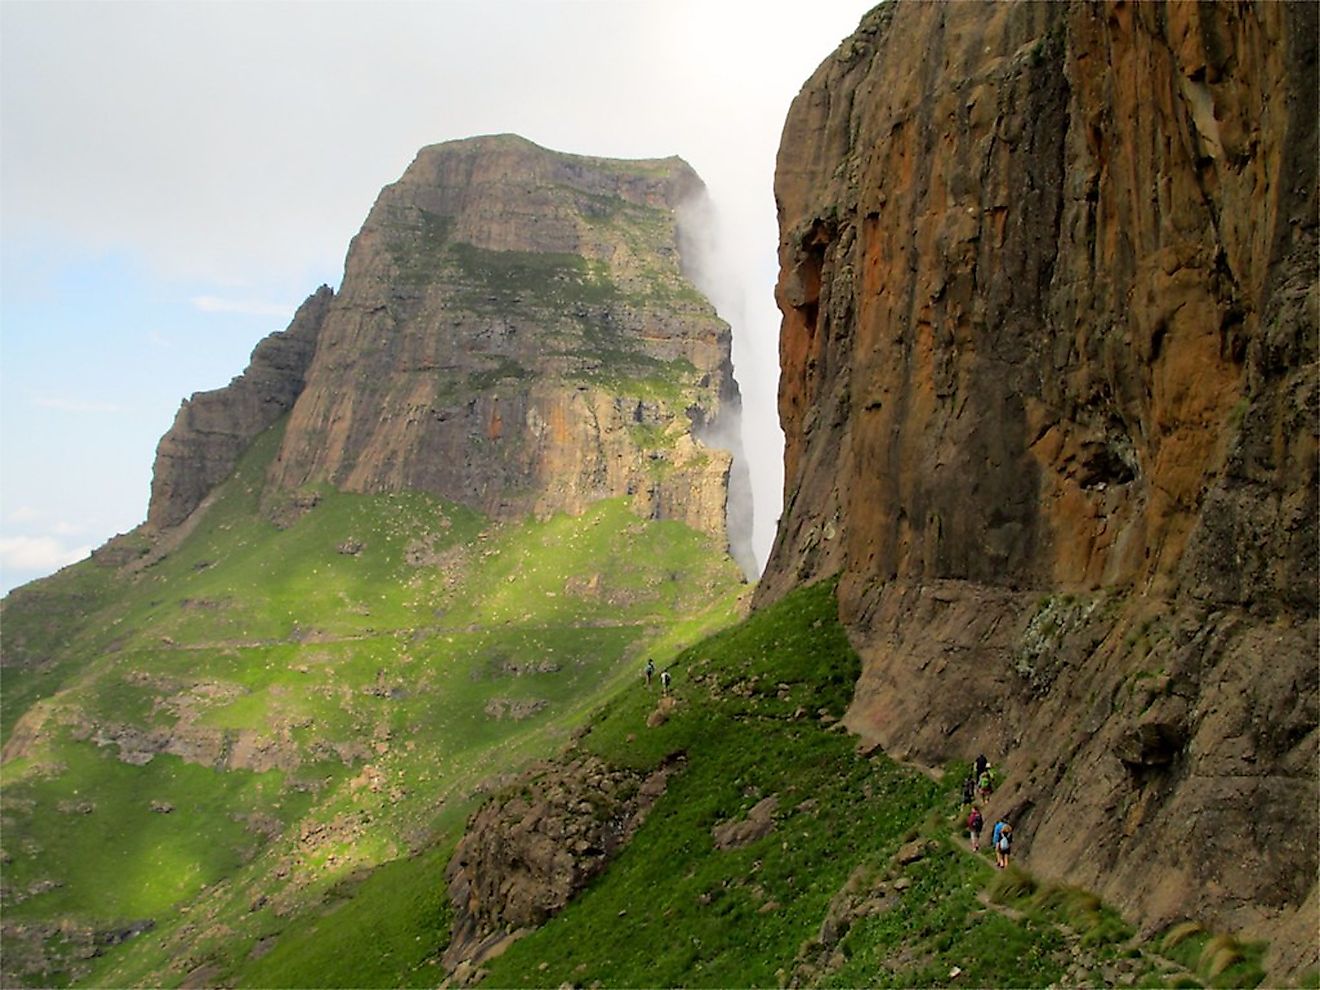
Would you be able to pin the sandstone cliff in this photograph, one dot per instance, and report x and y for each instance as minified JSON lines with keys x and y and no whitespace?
{"x":514,"y":331}
{"x":1048,"y":282}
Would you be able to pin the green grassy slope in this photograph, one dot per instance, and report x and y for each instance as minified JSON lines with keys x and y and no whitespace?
{"x":865,"y":878}
{"x":351,"y":691}
{"x":272,"y":734}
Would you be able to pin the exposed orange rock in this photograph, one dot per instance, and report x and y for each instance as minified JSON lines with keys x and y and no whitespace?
{"x":1049,"y":392}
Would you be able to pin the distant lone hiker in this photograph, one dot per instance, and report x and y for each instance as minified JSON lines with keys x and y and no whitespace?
{"x":975,"y":822}
{"x":664,"y":682}
{"x":650,"y":670}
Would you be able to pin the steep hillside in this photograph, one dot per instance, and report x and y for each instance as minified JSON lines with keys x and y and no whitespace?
{"x":437,"y":519}
{"x":1050,"y":400}
{"x":728,"y":833}
{"x":220,"y":750}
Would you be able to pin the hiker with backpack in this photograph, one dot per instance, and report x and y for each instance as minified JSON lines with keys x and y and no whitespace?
{"x":650,"y":670}
{"x":975,"y":822}
{"x":1003,"y":839}
{"x":985,"y":784}
{"x":664,"y":683}
{"x":969,"y":789}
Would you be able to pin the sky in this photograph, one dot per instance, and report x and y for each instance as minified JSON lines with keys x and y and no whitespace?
{"x":176,"y":177}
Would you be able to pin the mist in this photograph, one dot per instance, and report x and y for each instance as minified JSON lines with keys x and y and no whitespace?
{"x":756,"y":478}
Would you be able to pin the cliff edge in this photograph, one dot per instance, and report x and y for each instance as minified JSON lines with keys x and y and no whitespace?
{"x":1049,"y":390}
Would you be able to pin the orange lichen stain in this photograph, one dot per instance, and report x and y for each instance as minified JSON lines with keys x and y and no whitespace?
{"x":495,"y":424}
{"x":558,"y":420}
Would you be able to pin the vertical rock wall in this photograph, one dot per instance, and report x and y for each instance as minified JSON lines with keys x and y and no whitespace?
{"x":1048,"y":282}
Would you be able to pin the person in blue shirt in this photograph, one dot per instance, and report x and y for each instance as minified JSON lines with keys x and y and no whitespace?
{"x":1002,"y":838}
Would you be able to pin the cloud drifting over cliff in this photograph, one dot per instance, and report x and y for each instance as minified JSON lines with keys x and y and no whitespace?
{"x":165,"y":164}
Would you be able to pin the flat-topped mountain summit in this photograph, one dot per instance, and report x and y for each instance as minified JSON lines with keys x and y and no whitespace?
{"x":515,"y":331}
{"x":450,"y":509}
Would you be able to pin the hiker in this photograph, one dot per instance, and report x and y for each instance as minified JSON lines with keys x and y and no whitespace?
{"x":985,"y":784}
{"x":975,"y":822}
{"x":1003,"y":836}
{"x":982,"y":764}
{"x":664,"y":683}
{"x":969,"y":789}
{"x":650,"y":670}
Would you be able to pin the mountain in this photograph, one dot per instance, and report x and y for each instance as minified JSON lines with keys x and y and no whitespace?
{"x":515,"y":331}
{"x":431,"y":526}
{"x":1049,"y":394}
{"x":362,"y":704}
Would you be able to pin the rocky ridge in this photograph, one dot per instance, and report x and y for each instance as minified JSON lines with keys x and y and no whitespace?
{"x":212,"y":429}
{"x":1049,"y":392}
{"x":515,"y":331}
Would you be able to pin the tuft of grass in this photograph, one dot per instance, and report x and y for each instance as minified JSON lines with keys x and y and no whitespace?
{"x":1178,"y":934}
{"x":1012,"y":886}
{"x":1218,"y":959}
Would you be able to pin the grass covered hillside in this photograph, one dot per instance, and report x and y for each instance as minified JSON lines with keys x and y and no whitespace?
{"x":245,"y":760}
{"x":781,"y":856}
{"x":359,"y":708}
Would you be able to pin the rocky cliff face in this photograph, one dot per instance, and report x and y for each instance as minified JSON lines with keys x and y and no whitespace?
{"x":1048,"y":282}
{"x":212,"y":429}
{"x":514,"y":331}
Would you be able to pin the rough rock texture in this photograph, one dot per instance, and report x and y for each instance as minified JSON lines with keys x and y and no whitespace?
{"x":515,"y":332}
{"x":528,"y":850}
{"x":1050,"y":401}
{"x":212,"y":429}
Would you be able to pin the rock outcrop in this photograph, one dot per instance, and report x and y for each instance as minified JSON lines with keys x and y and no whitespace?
{"x":515,"y":331}
{"x":1049,"y":348}
{"x":212,"y":429}
{"x":529,"y":849}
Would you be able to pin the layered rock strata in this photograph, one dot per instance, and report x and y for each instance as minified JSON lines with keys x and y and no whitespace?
{"x":514,"y":331}
{"x":1049,"y":392}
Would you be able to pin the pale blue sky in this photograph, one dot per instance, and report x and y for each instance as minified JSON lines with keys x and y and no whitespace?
{"x":176,"y":177}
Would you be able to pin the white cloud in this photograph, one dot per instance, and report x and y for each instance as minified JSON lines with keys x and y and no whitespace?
{"x":248,"y":307}
{"x":26,"y":517}
{"x":38,"y":553}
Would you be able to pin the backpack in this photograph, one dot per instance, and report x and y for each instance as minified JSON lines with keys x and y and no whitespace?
{"x":975,"y":822}
{"x":1005,"y":839}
